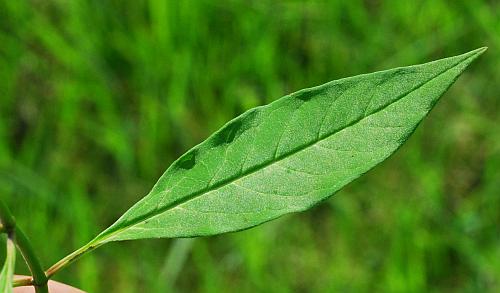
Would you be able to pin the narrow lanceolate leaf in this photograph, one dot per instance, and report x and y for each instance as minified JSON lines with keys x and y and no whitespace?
{"x":7,"y":273}
{"x":289,"y":155}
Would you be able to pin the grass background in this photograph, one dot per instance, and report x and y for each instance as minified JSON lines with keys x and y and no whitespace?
{"x":98,"y":97}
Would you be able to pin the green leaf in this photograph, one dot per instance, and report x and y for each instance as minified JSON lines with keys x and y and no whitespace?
{"x":289,"y":155}
{"x":7,"y":273}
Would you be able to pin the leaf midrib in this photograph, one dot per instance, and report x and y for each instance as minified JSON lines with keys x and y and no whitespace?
{"x":129,"y":224}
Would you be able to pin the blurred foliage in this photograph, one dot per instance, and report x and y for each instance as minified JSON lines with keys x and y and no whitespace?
{"x":98,"y":97}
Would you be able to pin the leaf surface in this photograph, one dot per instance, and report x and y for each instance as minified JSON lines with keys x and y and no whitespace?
{"x":288,"y":155}
{"x":7,"y":272}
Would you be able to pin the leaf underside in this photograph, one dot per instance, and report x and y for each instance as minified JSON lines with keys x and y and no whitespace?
{"x":289,"y":155}
{"x":7,"y":272}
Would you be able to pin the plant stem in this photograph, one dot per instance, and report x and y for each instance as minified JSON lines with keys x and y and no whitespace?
{"x":23,"y":281}
{"x":70,"y":259}
{"x":39,"y":278}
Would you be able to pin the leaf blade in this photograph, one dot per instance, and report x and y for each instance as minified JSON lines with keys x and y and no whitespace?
{"x":7,"y":272}
{"x":271,"y":160}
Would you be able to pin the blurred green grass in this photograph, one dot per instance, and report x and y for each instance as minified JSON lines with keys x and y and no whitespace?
{"x":97,"y":98}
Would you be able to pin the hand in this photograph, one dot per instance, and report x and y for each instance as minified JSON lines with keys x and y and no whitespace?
{"x":54,"y":287}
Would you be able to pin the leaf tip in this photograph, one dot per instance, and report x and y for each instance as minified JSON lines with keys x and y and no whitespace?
{"x":480,"y":51}
{"x":472,"y":55}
